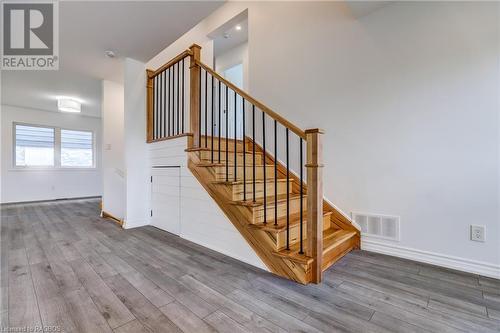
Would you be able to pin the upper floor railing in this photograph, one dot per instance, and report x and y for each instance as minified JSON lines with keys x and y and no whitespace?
{"x":167,"y":89}
{"x":228,"y":122}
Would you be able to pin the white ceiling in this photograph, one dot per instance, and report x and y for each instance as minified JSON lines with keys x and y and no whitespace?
{"x":40,"y":89}
{"x":139,"y":30}
{"x":229,"y":37}
{"x":134,"y":29}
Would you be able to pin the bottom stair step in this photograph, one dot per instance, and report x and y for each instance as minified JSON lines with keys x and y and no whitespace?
{"x":336,"y":242}
{"x":279,"y":231}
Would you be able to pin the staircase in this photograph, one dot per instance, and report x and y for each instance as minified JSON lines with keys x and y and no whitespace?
{"x":281,"y":215}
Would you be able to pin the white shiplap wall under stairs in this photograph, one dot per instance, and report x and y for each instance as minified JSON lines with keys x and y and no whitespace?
{"x":202,"y":221}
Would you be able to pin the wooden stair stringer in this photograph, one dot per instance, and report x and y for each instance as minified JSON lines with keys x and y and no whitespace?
{"x":260,"y":242}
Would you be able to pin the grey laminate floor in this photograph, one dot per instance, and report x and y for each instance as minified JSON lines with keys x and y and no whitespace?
{"x":63,"y":266}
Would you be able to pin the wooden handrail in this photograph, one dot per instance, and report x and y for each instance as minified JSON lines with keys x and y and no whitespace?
{"x":152,"y":74}
{"x":255,"y":102}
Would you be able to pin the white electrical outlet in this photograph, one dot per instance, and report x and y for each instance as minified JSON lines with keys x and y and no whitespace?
{"x":477,"y":233}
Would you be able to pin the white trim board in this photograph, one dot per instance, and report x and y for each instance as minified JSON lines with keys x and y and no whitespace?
{"x":134,"y":223}
{"x":461,"y":264}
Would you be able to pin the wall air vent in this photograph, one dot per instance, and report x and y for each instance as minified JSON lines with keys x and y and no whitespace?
{"x":379,"y":226}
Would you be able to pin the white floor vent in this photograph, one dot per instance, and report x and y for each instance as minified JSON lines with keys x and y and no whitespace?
{"x":380,"y":226}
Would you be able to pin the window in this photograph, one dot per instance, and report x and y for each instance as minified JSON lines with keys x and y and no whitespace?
{"x":76,"y":149}
{"x":34,"y":146}
{"x":38,"y":146}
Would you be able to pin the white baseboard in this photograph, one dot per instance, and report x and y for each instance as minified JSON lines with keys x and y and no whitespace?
{"x":129,"y":224}
{"x":461,"y":264}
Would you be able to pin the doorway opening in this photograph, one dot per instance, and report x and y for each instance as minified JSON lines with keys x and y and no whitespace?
{"x":230,"y":45}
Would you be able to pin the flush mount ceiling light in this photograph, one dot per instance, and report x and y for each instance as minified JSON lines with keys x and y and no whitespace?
{"x":238,"y":27}
{"x":109,"y":54}
{"x":69,"y":105}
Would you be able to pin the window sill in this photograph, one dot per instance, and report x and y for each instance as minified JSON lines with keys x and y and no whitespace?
{"x":53,"y":169}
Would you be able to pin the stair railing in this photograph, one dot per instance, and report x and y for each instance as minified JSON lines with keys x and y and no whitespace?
{"x":166,"y":99}
{"x":222,"y":117}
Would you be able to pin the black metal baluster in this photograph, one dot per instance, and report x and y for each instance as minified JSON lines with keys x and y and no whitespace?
{"x":172,"y":109}
{"x":160,"y":97}
{"x":235,"y":142}
{"x":162,"y":103}
{"x":155,"y":114}
{"x":219,"y":124}
{"x":212,"y":121}
{"x":244,"y":154}
{"x":301,"y":197}
{"x":199,"y":114}
{"x":206,"y":108}
{"x":275,"y":172}
{"x":227,"y":130}
{"x":165,"y":106}
{"x":253,"y":151}
{"x":171,"y":112}
{"x":178,"y":98}
{"x":182,"y":112}
{"x":264,"y":162}
{"x":167,"y":103}
{"x":287,"y":196}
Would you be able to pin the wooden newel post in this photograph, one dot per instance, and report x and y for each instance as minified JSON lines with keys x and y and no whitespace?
{"x":149,"y":105}
{"x":314,"y":167}
{"x":195,"y":94}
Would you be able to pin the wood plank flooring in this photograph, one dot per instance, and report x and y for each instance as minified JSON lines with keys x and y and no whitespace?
{"x":64,"y":267}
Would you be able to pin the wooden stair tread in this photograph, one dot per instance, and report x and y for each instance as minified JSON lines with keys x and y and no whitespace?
{"x":281,"y":225}
{"x":209,"y":164}
{"x":221,"y":138}
{"x":331,"y":239}
{"x":257,"y":181}
{"x":216,"y":150}
{"x":221,"y":164}
{"x":190,"y":150}
{"x":270,"y":200}
{"x":231,"y":165}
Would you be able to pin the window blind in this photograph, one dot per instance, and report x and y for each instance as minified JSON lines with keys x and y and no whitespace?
{"x":76,"y":139}
{"x":33,"y":136}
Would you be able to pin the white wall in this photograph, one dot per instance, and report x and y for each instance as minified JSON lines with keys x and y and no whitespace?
{"x":206,"y":224}
{"x":408,"y":98}
{"x":233,"y":57}
{"x":46,"y":184}
{"x":113,"y":159}
{"x":136,"y":156}
{"x":409,"y":110}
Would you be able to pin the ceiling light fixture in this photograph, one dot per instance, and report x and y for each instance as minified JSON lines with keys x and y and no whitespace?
{"x":65,"y":104}
{"x":238,"y":27}
{"x":109,"y":54}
